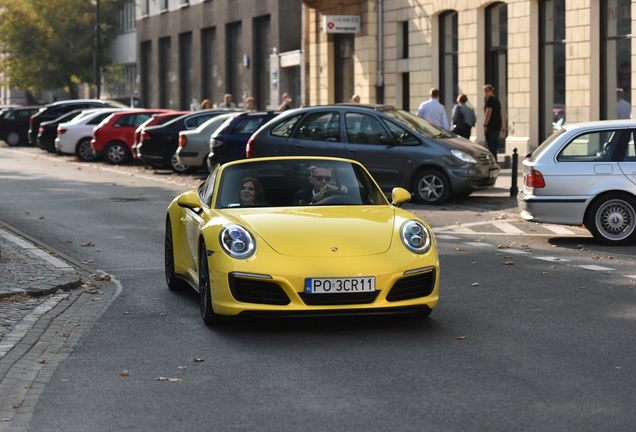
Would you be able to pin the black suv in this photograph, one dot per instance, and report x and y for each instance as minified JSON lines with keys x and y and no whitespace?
{"x":14,"y":124}
{"x":56,"y":109}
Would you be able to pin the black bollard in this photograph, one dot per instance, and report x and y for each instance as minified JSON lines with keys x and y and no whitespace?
{"x":514,"y":190}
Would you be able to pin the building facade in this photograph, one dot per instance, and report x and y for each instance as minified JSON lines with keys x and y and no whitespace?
{"x":550,"y":61}
{"x":189,"y":51}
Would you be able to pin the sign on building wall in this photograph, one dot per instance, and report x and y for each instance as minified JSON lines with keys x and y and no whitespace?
{"x":341,"y":23}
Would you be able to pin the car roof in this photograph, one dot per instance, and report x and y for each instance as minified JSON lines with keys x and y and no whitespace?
{"x":602,"y":124}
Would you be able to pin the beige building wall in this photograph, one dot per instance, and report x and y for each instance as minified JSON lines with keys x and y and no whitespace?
{"x":522,"y":117}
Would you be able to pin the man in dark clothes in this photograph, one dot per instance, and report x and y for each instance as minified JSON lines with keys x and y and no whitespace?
{"x":494,"y":121}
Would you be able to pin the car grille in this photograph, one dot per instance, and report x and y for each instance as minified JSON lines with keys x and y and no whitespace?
{"x":485,"y":182}
{"x":257,"y":291}
{"x":486,"y":159}
{"x":420,"y":285}
{"x":338,"y":299}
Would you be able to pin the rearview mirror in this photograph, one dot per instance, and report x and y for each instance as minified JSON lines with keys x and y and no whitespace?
{"x":189,"y":200}
{"x":388,"y":140}
{"x":399,"y":196}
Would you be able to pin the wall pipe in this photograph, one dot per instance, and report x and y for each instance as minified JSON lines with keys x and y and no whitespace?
{"x":379,"y":86}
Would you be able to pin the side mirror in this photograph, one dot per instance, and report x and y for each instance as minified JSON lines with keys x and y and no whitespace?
{"x":399,"y":196}
{"x":189,"y":200}
{"x":388,"y":140}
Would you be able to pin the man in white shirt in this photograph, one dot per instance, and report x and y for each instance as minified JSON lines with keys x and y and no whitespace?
{"x":623,"y":108}
{"x":433,"y":111}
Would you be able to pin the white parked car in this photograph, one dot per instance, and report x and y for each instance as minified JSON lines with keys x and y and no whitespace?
{"x":75,"y":136}
{"x":585,"y":174}
{"x":194,"y":145}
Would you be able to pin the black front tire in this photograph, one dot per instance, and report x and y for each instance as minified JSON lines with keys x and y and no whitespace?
{"x":205,"y":294}
{"x":13,"y":139}
{"x":431,"y":186}
{"x":612,"y":219}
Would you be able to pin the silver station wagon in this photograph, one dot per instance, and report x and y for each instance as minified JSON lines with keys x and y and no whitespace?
{"x":585,"y":174}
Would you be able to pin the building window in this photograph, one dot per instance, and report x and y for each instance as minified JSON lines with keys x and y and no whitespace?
{"x":208,"y":65}
{"x":127,"y":16}
{"x":552,"y":66}
{"x":406,"y":91}
{"x":163,"y":5}
{"x":185,"y":70}
{"x":448,"y":70}
{"x":234,"y":58}
{"x":119,"y":82}
{"x":616,"y":59}
{"x":403,"y":41}
{"x":262,"y":50}
{"x":145,"y":7}
{"x":145,"y":55}
{"x":497,"y":56}
{"x":165,"y":95}
{"x":344,"y":50}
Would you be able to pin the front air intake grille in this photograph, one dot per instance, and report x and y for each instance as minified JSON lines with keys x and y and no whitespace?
{"x":420,"y":285}
{"x":257,"y":291}
{"x":338,"y":299}
{"x":484,"y":182}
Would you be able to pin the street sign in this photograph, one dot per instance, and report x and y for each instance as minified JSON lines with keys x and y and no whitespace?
{"x":341,"y":23}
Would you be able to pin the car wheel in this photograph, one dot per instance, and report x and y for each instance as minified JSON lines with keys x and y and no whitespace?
{"x":13,"y":139}
{"x":117,"y":153}
{"x":178,"y":167}
{"x":431,"y":186}
{"x":612,"y":219}
{"x":174,"y":283}
{"x":205,"y":296}
{"x":84,"y":151}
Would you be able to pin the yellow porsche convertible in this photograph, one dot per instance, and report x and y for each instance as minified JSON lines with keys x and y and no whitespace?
{"x":296,"y":236}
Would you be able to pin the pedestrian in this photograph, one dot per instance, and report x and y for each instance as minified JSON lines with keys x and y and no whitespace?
{"x":463,"y":116}
{"x":250,"y":103}
{"x":433,"y":111}
{"x":623,"y":108}
{"x":286,"y":101}
{"x":494,"y":121}
{"x":206,"y":104}
{"x":355,"y":98}
{"x":227,"y":101}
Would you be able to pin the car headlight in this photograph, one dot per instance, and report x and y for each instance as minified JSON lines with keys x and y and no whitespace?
{"x":415,"y":237}
{"x":463,"y":156}
{"x":237,"y":242}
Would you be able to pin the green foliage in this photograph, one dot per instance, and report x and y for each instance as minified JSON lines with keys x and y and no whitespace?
{"x":50,"y":43}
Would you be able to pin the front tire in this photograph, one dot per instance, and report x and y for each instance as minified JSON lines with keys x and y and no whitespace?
{"x":178,"y":167}
{"x":84,"y":151}
{"x":205,"y":295}
{"x":612,"y":219}
{"x":13,"y":139}
{"x":431,"y":186}
{"x":117,"y":153}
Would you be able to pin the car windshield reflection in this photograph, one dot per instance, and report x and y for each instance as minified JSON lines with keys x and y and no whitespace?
{"x":419,"y":125}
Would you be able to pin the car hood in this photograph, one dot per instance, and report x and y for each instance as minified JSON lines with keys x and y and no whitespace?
{"x":463,"y":145}
{"x":321,"y":231}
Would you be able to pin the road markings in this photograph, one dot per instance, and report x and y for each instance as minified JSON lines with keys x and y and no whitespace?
{"x":478,"y":244}
{"x":550,"y":258}
{"x":506,"y":227}
{"x":595,"y":267}
{"x":557,"y":229}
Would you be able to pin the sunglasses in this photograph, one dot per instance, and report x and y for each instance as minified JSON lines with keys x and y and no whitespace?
{"x":321,"y":178}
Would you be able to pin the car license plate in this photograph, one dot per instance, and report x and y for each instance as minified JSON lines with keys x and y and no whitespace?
{"x":493,"y":173}
{"x":339,"y":285}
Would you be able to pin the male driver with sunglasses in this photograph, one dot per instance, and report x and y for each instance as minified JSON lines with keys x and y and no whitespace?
{"x":321,"y":178}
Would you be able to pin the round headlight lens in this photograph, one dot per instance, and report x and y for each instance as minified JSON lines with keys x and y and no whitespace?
{"x":463,"y":156}
{"x":415,"y":237}
{"x":237,"y":242}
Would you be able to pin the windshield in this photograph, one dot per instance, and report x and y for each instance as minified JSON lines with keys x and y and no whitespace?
{"x":296,"y":182}
{"x":417,"y":124}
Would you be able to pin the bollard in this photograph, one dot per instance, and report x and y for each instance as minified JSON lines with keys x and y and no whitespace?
{"x":514,"y":190}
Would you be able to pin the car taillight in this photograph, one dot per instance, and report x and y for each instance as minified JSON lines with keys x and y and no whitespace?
{"x":145,"y":136}
{"x":182,"y":140}
{"x":41,"y":130}
{"x":249,"y":148}
{"x":31,"y":120}
{"x":60,"y":131}
{"x":535,"y":180}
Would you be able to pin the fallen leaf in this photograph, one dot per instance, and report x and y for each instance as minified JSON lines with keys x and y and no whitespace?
{"x":460,"y":249}
{"x":42,"y":361}
{"x":525,"y":245}
{"x":544,"y":272}
{"x":508,"y":262}
{"x":91,"y":291}
{"x":474,"y":284}
{"x":181,"y":367}
{"x":199,"y":359}
{"x":168,"y":379}
{"x":461,"y":337}
{"x":458,"y":223}
{"x":503,"y":247}
{"x":596,"y":257}
{"x":87,"y":244}
{"x":41,"y":217}
{"x":125,"y":373}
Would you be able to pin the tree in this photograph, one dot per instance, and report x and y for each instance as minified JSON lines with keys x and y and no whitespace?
{"x":50,"y":43}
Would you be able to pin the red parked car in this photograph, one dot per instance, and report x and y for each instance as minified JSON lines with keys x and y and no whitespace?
{"x":157,"y":119}
{"x":113,"y":138}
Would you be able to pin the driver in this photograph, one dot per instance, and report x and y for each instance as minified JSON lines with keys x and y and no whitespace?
{"x":321,"y":178}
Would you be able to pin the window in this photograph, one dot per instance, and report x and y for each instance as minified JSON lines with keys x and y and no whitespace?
{"x":262,"y":50}
{"x":403,"y":42}
{"x":208,"y":64}
{"x":595,"y":146}
{"x":234,"y":57}
{"x":616,"y":56}
{"x":552,"y":66}
{"x":165,"y":95}
{"x":98,"y":119}
{"x":401,"y":135}
{"x":248,"y":125}
{"x":126,"y":16}
{"x":363,"y":129}
{"x":321,"y":126}
{"x":185,"y":70}
{"x":195,"y":122}
{"x":497,"y":55}
{"x":285,"y":128}
{"x":448,"y":69}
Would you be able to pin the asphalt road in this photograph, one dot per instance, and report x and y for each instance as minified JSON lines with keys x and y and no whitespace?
{"x":533,"y":331}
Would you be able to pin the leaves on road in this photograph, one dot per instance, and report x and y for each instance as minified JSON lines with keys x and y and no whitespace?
{"x":168,"y":379}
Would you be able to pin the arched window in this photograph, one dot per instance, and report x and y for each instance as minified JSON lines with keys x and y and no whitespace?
{"x":616,"y":59}
{"x":552,"y":66}
{"x":497,"y":55}
{"x":448,"y":71}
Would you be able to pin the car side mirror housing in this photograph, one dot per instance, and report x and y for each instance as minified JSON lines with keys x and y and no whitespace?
{"x":399,"y":196}
{"x":388,"y":140}
{"x":189,"y":200}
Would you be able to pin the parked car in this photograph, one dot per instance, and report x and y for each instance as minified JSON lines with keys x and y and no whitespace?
{"x":228,"y":142}
{"x":48,"y":130}
{"x":14,"y":124}
{"x":156,"y":119}
{"x":236,"y":240}
{"x":113,"y":138}
{"x":158,"y":146}
{"x":75,"y":136}
{"x":398,"y":148}
{"x":194,"y":145}
{"x":56,"y":109}
{"x":585,"y":174}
